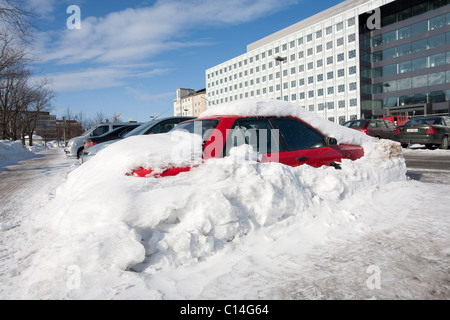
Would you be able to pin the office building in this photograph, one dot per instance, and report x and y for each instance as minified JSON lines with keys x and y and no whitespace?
{"x":360,"y":58}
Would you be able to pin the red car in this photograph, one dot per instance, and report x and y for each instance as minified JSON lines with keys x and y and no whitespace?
{"x":287,"y":140}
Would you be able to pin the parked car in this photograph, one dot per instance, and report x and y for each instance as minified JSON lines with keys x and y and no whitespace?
{"x":287,"y":140}
{"x":152,"y":127}
{"x":74,"y":147}
{"x":378,"y":128}
{"x":432,"y":131}
{"x":108,"y":136}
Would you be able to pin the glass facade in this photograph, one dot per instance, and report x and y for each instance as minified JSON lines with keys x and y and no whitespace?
{"x":405,"y":64}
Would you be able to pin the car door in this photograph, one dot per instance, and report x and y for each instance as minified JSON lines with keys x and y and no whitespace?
{"x":302,"y":144}
{"x":389,"y":130}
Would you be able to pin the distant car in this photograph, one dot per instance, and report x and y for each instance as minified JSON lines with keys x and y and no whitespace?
{"x":397,"y":120}
{"x":287,"y":140}
{"x":108,"y":136}
{"x":378,"y":128}
{"x":152,"y":127}
{"x":432,"y":131}
{"x":75,"y":146}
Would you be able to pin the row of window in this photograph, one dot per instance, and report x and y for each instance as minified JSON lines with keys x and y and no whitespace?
{"x":411,"y":30}
{"x":421,"y":98}
{"x":330,"y":91}
{"x":292,"y":84}
{"x":412,"y":11}
{"x":433,"y":61}
{"x":433,"y":79}
{"x":310,"y":66}
{"x":408,"y":48}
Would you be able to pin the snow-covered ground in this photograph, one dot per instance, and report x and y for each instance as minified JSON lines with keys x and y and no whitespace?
{"x":231,"y":228}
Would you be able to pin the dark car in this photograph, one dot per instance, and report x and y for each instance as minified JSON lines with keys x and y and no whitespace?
{"x":111,"y":135}
{"x":378,"y":128}
{"x":432,"y":131}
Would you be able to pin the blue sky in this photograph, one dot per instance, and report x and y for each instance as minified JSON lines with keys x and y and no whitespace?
{"x":129,"y":57}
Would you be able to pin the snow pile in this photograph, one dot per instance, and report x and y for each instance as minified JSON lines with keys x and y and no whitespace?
{"x":10,"y":150}
{"x":115,"y":228}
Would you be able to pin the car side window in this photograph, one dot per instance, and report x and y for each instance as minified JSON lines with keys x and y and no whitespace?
{"x":126,"y":131}
{"x":389,"y":124}
{"x":163,"y":127}
{"x":372,"y":124}
{"x":255,"y":132}
{"x":99,"y":131}
{"x":381,"y":124}
{"x":298,"y":135}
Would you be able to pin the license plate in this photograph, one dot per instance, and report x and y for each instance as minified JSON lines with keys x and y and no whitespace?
{"x":412,"y":130}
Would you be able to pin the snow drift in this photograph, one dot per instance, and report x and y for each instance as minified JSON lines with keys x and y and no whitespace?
{"x":109,"y":225}
{"x":10,"y":150}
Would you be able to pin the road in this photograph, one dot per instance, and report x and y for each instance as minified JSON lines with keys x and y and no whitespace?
{"x":428,"y":166}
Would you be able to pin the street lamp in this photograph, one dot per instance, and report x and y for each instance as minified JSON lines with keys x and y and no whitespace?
{"x":281,"y":60}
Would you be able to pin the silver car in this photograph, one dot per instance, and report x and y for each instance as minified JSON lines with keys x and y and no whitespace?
{"x":75,"y":146}
{"x":152,"y":127}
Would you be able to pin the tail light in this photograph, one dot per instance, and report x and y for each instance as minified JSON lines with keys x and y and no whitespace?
{"x":397,"y":130}
{"x":89,"y":144}
{"x":366,"y":131}
{"x":431,"y":130}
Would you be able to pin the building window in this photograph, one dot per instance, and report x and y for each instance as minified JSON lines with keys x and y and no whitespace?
{"x":353,"y":102}
{"x":352,"y":86}
{"x":341,"y":88}
{"x":352,"y":70}
{"x":340,"y":42}
{"x":340,"y":57}
{"x":352,"y":38}
{"x":320,"y":92}
{"x":319,"y":63}
{"x":352,"y":54}
{"x":341,"y":104}
{"x":319,"y":34}
{"x":329,"y":30}
{"x":330,"y":45}
{"x":330,"y":75}
{"x":351,"y":22}
{"x":341,"y":73}
{"x":309,"y":38}
{"x":339,"y":26}
{"x":330,"y":90}
{"x":319,"y":77}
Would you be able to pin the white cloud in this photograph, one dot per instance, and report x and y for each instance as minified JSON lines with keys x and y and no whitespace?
{"x":98,"y":78}
{"x":138,"y":34}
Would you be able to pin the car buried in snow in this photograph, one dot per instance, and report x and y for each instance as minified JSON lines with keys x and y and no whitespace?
{"x":287,"y":140}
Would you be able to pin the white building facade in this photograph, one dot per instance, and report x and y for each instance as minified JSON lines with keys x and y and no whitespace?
{"x":320,"y":65}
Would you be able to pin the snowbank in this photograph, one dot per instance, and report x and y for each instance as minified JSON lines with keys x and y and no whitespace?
{"x":113,"y":228}
{"x":10,"y":150}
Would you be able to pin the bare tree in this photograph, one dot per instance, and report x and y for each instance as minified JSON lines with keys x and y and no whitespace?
{"x":39,"y":101}
{"x":15,"y":18}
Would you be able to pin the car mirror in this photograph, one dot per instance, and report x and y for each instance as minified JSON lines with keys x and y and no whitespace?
{"x":331,"y":142}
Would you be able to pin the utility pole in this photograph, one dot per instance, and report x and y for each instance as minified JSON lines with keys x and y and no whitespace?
{"x":281,"y":60}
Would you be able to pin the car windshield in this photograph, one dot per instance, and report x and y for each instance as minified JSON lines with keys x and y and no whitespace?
{"x":426,"y":121}
{"x":200,"y":127}
{"x":140,"y":129}
{"x":354,"y":124}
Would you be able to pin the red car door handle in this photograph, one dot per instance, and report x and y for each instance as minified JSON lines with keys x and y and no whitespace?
{"x":301,"y":159}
